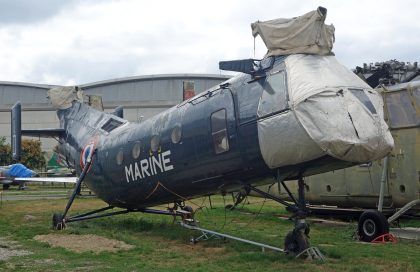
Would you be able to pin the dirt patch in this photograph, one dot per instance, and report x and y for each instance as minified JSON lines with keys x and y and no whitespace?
{"x":213,"y":250}
{"x":29,"y":217}
{"x":10,"y":248}
{"x":83,"y":243}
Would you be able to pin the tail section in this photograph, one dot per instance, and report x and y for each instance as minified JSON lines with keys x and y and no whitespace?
{"x":16,"y":131}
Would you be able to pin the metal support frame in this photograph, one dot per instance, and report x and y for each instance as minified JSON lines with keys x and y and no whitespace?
{"x":94,"y":214}
{"x":211,"y":206}
{"x":403,"y":210}
{"x":383,"y":182}
{"x":78,"y":184}
{"x":299,"y":206}
{"x":98,"y":213}
{"x":312,"y":253}
{"x":206,"y":234}
{"x":301,"y":192}
{"x":269,"y":196}
{"x":281,"y":181}
{"x":301,"y":211}
{"x":288,"y":192}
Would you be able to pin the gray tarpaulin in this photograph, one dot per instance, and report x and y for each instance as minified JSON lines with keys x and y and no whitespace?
{"x":304,"y":34}
{"x":326,"y":117}
{"x":62,"y":97}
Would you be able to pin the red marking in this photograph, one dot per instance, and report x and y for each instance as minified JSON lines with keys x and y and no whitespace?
{"x":89,"y":147}
{"x":188,"y":94}
{"x":385,"y":238}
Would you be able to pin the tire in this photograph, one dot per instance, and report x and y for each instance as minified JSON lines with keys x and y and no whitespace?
{"x":57,"y":221}
{"x":6,"y":186}
{"x":229,"y":207}
{"x":190,"y":210}
{"x":372,"y":224}
{"x":295,"y":242}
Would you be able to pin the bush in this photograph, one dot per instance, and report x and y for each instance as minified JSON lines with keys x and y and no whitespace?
{"x":5,"y":152}
{"x":31,"y":154}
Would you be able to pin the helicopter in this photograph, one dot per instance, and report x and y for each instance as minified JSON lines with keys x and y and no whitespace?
{"x":295,"y":113}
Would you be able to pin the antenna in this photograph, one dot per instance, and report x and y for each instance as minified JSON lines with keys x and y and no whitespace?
{"x":254,"y":47}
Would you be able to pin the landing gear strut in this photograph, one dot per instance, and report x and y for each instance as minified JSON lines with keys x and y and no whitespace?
{"x":59,"y":220}
{"x":184,"y":211}
{"x":297,"y":241}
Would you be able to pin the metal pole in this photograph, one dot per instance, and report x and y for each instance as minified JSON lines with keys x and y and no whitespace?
{"x":301,"y":193}
{"x":211,"y":206}
{"x":383,"y":180}
{"x":230,"y":237}
{"x":79,"y":183}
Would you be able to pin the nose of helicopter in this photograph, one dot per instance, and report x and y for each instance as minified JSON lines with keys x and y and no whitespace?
{"x":332,"y":112}
{"x":347,"y":124}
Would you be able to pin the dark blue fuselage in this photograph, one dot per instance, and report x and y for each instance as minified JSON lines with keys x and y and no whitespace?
{"x":204,"y":145}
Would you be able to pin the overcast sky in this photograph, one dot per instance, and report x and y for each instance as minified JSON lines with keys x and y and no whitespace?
{"x":75,"y":42}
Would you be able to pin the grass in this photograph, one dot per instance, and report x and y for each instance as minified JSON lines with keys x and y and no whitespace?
{"x":161,"y":245}
{"x":37,"y":189}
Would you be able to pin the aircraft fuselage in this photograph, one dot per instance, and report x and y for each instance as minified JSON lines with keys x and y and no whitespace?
{"x":244,"y":131}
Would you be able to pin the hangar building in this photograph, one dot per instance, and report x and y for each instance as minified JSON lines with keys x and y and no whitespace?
{"x":140,"y":96}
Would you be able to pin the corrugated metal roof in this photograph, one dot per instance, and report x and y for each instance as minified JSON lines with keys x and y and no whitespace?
{"x":120,"y":80}
{"x":154,"y":77}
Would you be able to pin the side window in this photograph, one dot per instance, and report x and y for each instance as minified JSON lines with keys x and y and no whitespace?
{"x":401,"y":110}
{"x":219,"y":131}
{"x":274,"y":96}
{"x":360,"y":94}
{"x":111,"y":124}
{"x":416,"y":94}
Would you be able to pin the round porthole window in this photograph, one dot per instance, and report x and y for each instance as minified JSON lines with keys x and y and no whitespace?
{"x":154,"y":143}
{"x":136,"y":150}
{"x":120,"y":156}
{"x":176,"y":134}
{"x":402,"y":188}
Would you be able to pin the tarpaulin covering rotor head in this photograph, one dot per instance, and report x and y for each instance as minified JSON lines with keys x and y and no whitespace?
{"x":304,"y":34}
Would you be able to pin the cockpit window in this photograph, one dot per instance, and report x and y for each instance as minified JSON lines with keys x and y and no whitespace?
{"x":274,"y":97}
{"x":401,"y":111}
{"x":111,"y":124}
{"x":219,"y":131}
{"x":416,"y":94}
{"x":360,"y":94}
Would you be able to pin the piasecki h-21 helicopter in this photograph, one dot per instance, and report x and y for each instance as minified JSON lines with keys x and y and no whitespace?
{"x":295,"y":113}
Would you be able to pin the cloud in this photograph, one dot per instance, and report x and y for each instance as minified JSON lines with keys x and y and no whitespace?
{"x":30,"y":11}
{"x":85,"y":41}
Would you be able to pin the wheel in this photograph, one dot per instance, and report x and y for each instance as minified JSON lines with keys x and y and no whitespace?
{"x":229,"y":207}
{"x":190,"y":210}
{"x":372,"y":224}
{"x":58,"y":222}
{"x":296,"y":242}
{"x":6,"y":186}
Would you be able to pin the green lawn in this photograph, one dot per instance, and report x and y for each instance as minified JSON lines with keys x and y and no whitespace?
{"x":161,"y":245}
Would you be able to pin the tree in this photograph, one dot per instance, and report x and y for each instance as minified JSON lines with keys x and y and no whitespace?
{"x":31,"y":154}
{"x":5,"y":152}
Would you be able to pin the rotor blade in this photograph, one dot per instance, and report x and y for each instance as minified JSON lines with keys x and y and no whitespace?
{"x":46,"y":179}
